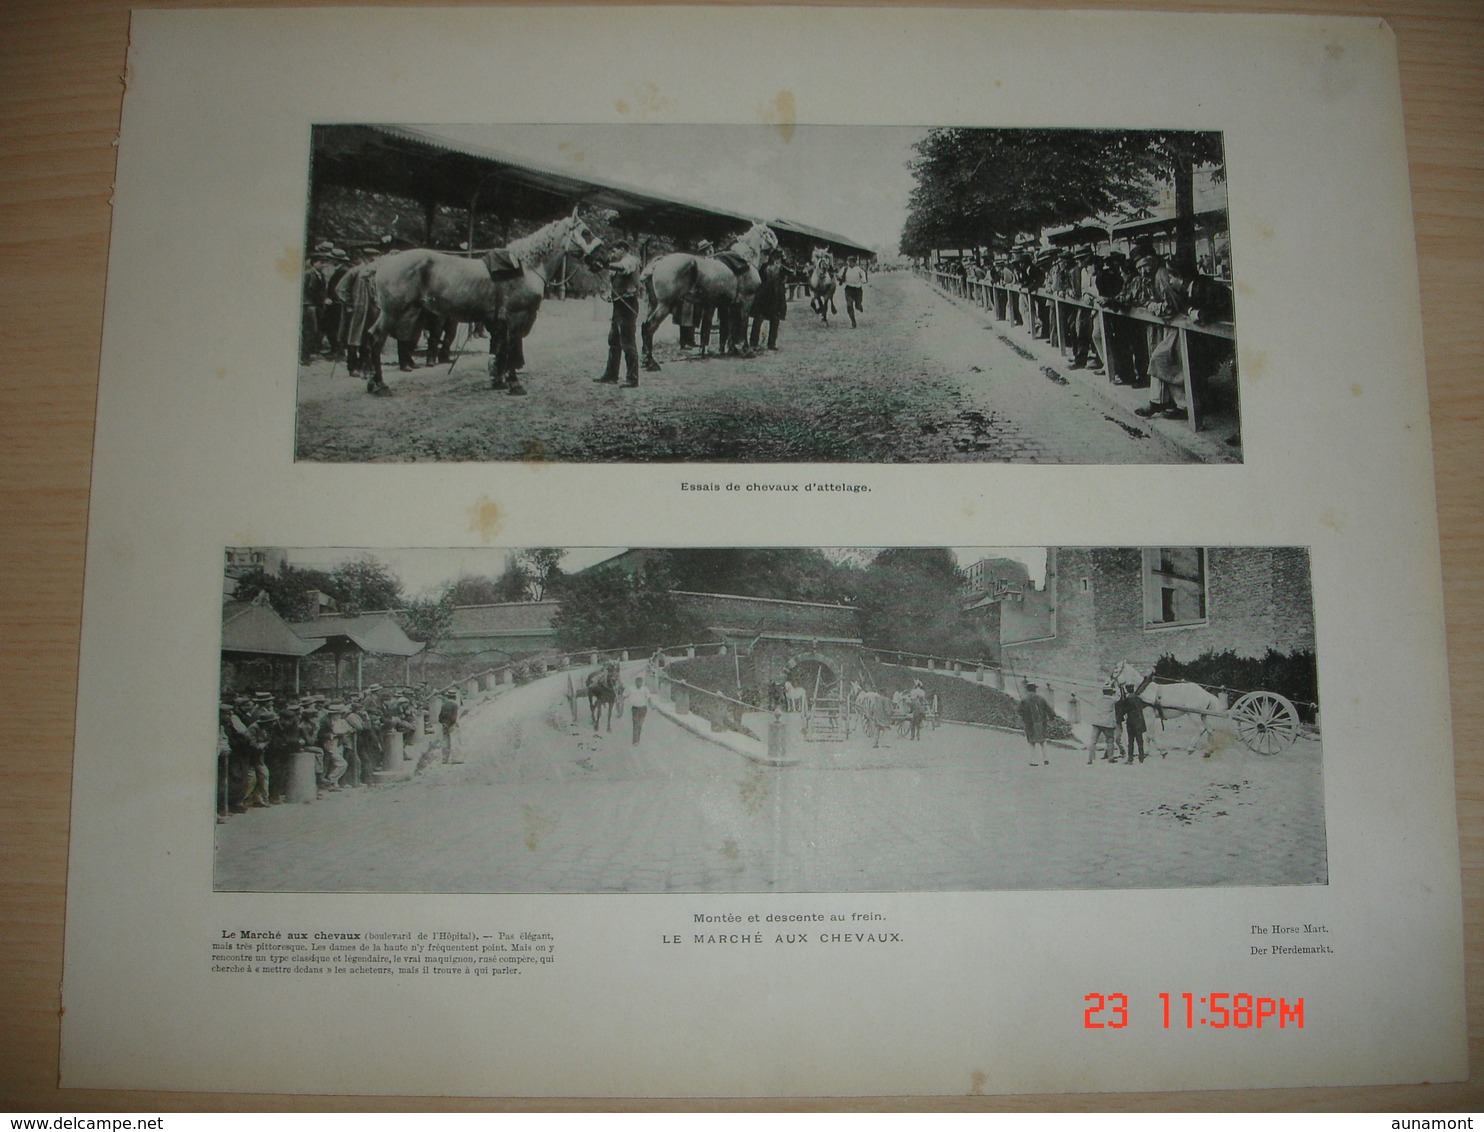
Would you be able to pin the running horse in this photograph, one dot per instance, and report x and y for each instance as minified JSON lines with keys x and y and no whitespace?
{"x":822,"y":284}
{"x":602,"y":689}
{"x":727,"y":281}
{"x":502,"y":289}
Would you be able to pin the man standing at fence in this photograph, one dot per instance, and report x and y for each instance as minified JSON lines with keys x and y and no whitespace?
{"x":638,"y":698}
{"x":624,"y":280}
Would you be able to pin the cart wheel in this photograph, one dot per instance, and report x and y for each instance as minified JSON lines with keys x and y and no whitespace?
{"x":1266,"y":722}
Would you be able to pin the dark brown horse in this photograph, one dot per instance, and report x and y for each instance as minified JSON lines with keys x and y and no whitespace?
{"x":673,"y":277}
{"x":602,"y":689}
{"x":503,"y":292}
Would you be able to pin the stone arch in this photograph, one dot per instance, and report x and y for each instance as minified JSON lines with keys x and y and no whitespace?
{"x":803,"y":668}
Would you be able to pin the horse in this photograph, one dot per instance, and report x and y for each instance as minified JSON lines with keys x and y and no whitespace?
{"x":503,"y":290}
{"x":795,"y":699}
{"x":822,"y":285}
{"x":602,"y":689}
{"x":672,"y":278}
{"x":1176,"y":698}
{"x":874,"y":711}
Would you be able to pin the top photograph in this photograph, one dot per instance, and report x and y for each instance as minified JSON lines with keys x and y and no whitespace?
{"x":767,"y":294}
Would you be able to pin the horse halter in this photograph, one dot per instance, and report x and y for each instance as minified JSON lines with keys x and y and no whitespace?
{"x":584,"y":249}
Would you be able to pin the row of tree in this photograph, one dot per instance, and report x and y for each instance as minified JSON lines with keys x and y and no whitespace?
{"x":366,"y":584}
{"x":984,"y":187}
{"x":905,"y":599}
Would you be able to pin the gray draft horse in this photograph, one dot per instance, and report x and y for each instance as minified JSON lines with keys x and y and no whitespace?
{"x":822,"y":285}
{"x":502,"y":289}
{"x":671,"y":278}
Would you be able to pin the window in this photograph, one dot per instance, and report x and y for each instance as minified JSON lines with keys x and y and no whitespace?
{"x":1174,"y":586}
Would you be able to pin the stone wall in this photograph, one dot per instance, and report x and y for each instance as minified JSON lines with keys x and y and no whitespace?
{"x":1257,"y":598}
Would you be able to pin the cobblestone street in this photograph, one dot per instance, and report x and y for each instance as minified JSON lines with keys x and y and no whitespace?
{"x":922,"y":379}
{"x":541,"y":805}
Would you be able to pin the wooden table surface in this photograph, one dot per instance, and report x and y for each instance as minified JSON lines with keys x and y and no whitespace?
{"x":60,"y":93}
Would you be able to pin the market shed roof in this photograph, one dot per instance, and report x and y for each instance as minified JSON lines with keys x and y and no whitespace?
{"x":371,"y":632}
{"x":417,"y":163}
{"x":253,"y":627}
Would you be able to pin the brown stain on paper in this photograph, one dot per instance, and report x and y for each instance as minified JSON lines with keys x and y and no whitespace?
{"x":782,"y":112}
{"x":1356,"y":389}
{"x":1328,"y":518}
{"x":644,"y":98}
{"x":537,"y":825}
{"x":291,"y":264}
{"x":484,"y":518}
{"x":977,"y":1081}
{"x":1257,"y":364}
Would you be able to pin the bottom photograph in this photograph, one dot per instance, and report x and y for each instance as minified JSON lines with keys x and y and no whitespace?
{"x":652,"y":720}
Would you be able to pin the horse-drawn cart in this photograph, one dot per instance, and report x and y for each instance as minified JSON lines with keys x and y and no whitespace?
{"x":1267,"y":723}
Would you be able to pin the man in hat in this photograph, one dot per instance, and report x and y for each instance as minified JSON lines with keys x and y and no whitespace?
{"x":623,"y":274}
{"x":448,"y":719}
{"x":1040,"y":304}
{"x":223,"y":763}
{"x":1129,"y":337}
{"x":1129,"y":711}
{"x":355,"y":291}
{"x":1163,"y":283}
{"x":1104,"y":728}
{"x":311,"y":303}
{"x":1066,"y":283}
{"x":1035,"y":717}
{"x":916,"y":709}
{"x":770,"y":303}
{"x":332,"y":740}
{"x":1090,"y":279}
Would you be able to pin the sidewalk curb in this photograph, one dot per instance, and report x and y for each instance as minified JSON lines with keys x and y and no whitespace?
{"x":737,"y":744}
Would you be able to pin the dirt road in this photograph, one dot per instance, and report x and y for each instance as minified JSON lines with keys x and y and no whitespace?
{"x":920,"y":380}
{"x":545,"y":805}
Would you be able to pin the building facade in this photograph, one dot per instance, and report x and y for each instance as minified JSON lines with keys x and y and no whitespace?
{"x":1111,"y":604}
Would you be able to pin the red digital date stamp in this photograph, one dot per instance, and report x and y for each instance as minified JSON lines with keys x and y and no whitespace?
{"x":1220,"y":1011}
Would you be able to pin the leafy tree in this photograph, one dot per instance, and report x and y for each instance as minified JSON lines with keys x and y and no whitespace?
{"x":473,"y":589}
{"x":363,"y":584}
{"x":982,"y":187}
{"x":612,"y":608}
{"x":428,"y":619}
{"x":542,"y":569}
{"x":288,"y":591}
{"x":910,"y":601}
{"x":786,"y":574}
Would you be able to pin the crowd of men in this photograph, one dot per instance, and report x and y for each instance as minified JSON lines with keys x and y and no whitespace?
{"x":1146,"y":354}
{"x":259,"y":734}
{"x":339,"y":307}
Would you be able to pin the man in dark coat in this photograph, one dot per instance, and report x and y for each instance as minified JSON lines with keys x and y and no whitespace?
{"x":1036,"y":716}
{"x":770,"y":303}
